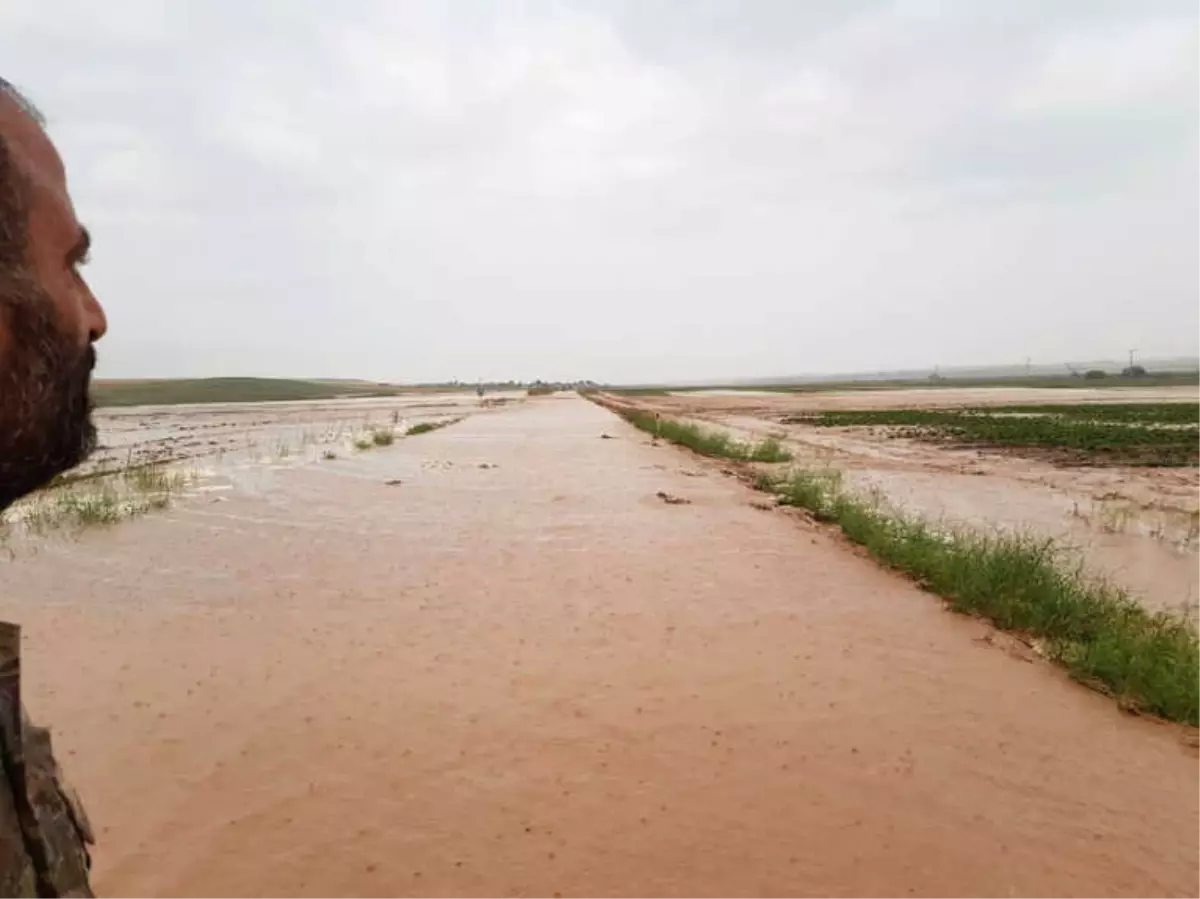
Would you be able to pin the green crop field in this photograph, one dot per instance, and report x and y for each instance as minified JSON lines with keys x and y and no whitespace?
{"x":228,"y":390}
{"x":1104,"y":434}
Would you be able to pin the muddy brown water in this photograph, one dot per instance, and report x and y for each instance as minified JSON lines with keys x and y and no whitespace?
{"x":537,"y":678}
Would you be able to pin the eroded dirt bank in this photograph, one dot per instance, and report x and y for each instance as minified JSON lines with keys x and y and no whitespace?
{"x":537,"y":678}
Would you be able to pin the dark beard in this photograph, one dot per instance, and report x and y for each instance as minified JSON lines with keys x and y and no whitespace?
{"x":45,"y":409}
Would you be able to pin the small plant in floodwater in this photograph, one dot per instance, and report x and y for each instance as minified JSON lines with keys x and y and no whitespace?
{"x":769,"y":450}
{"x":96,"y":504}
{"x":374,"y":437}
{"x":149,"y":478}
{"x":329,"y":455}
{"x":1115,"y":518}
{"x":425,"y":427}
{"x":767,"y":483}
{"x":90,"y":509}
{"x":1192,"y":535}
{"x":98,"y":500}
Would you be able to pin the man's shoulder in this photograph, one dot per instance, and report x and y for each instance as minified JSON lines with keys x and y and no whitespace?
{"x":17,"y":874}
{"x":43,"y":829}
{"x":17,"y":877}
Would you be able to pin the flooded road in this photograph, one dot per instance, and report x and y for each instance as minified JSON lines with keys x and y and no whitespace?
{"x":518,"y":672}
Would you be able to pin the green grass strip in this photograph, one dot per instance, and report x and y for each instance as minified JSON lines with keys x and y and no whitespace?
{"x":1149,"y":661}
{"x":705,"y":441}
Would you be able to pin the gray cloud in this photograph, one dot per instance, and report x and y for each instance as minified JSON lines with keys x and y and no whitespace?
{"x":624,"y":190}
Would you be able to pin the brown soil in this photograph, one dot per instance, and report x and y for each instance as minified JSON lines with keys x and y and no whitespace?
{"x":541,"y":679}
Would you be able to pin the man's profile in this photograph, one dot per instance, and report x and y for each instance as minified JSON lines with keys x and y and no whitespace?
{"x":49,"y":321}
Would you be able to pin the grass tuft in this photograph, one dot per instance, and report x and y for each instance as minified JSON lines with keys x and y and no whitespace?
{"x":769,"y":450}
{"x":1149,"y":661}
{"x":99,"y":501}
{"x":425,"y":427}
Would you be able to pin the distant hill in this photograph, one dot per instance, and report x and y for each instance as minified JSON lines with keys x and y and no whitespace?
{"x":228,"y":390}
{"x":1182,"y":370}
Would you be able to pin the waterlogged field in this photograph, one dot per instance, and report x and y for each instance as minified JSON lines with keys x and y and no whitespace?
{"x":149,"y":457}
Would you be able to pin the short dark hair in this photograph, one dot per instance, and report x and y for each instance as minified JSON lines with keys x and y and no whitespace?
{"x":13,"y":190}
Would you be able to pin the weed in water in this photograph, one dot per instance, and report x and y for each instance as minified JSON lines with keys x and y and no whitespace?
{"x":1192,"y":535}
{"x":769,"y":450}
{"x":329,"y":455}
{"x":152,"y":478}
{"x":425,"y":427}
{"x":91,"y":508}
{"x":1115,"y":517}
{"x":98,"y":502}
{"x":1149,"y":661}
{"x":383,"y":438}
{"x":767,"y":483}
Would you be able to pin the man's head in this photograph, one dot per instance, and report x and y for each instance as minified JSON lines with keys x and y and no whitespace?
{"x":48,"y":316}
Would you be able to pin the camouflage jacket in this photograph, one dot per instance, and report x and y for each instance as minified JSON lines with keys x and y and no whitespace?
{"x":44,"y":832}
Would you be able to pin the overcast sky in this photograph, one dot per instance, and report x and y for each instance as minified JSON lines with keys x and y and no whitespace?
{"x":623,"y":189}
